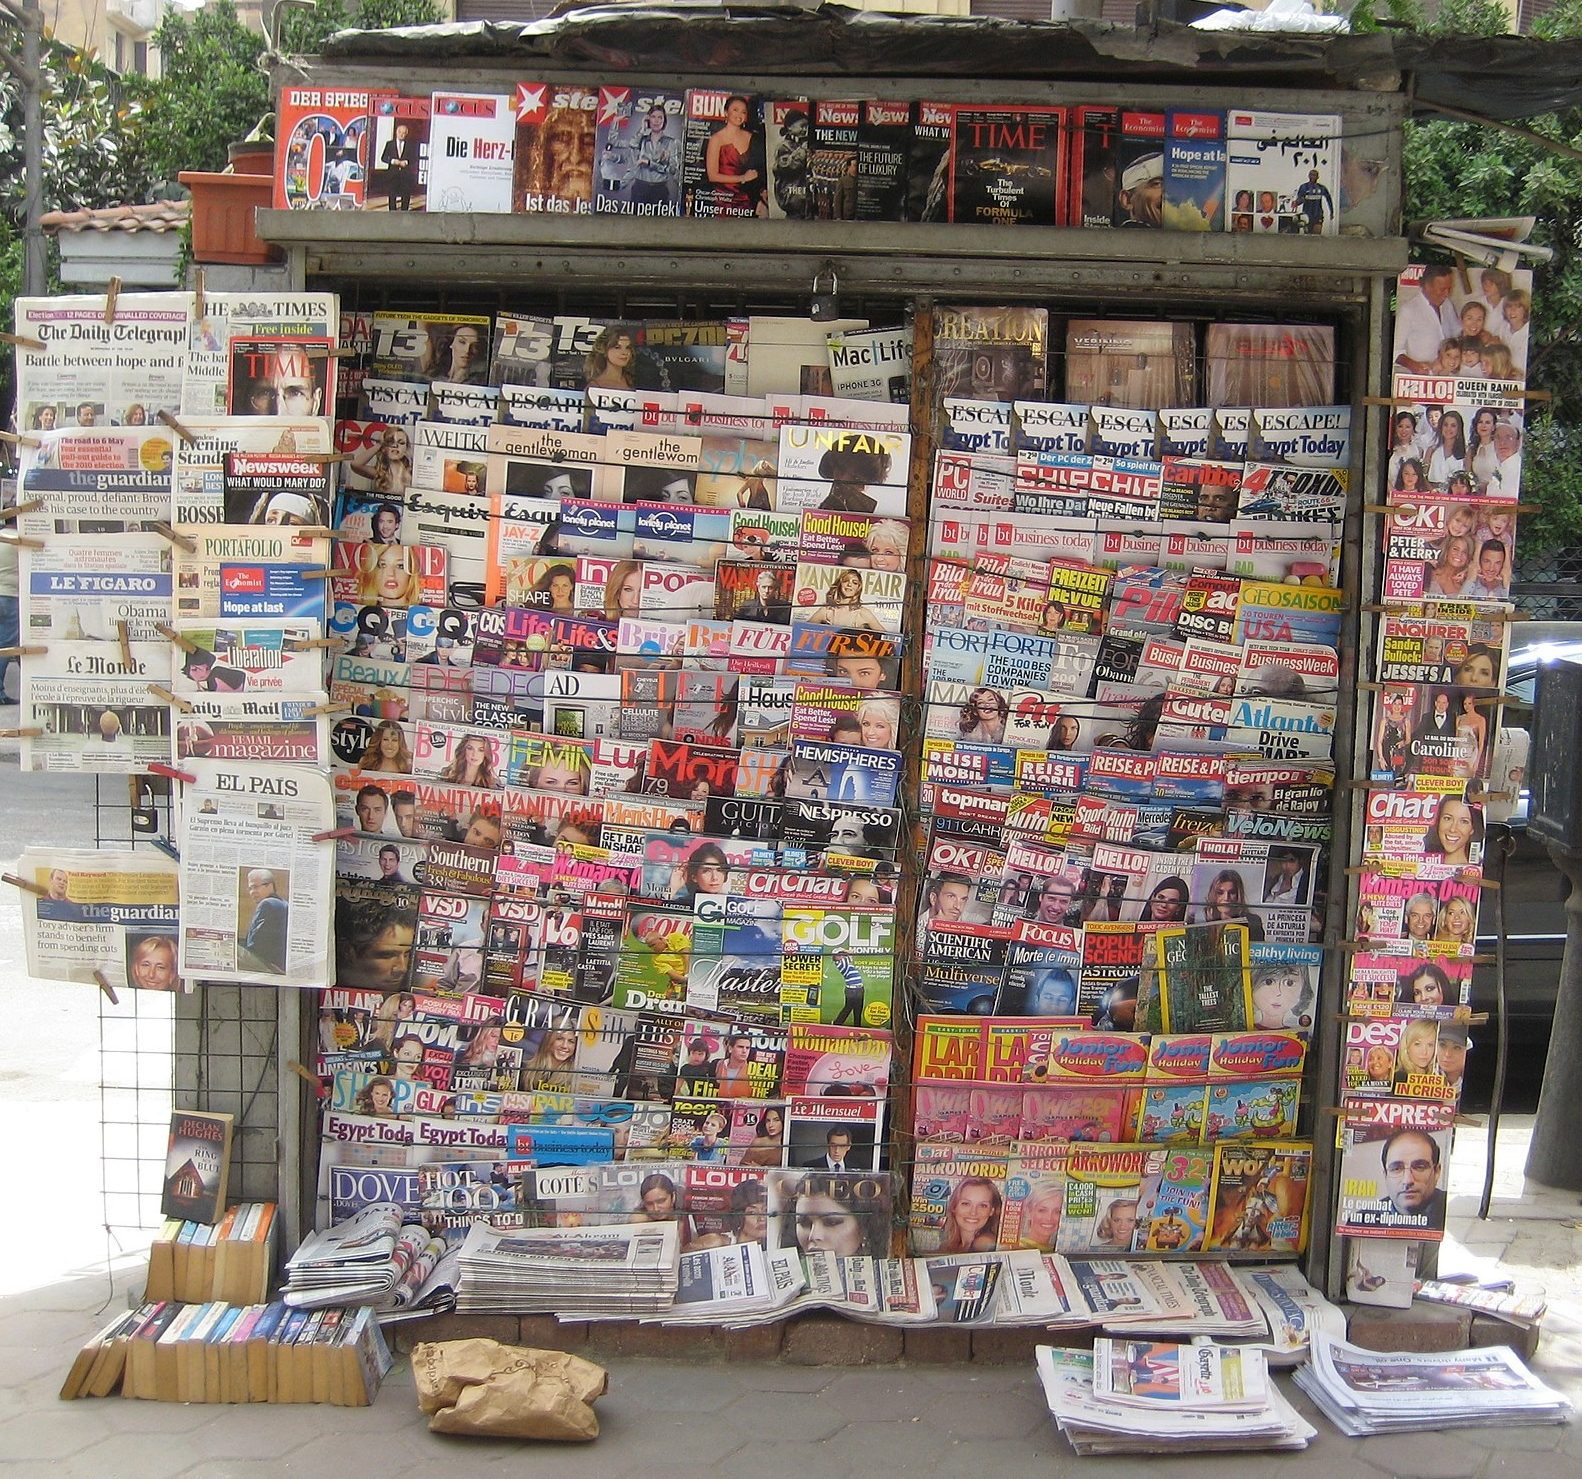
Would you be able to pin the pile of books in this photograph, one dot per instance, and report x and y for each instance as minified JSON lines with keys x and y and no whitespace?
{"x":231,"y":1261}
{"x":1130,"y":1396}
{"x":576,"y":1273}
{"x":1365,"y":1392}
{"x":165,"y":1351}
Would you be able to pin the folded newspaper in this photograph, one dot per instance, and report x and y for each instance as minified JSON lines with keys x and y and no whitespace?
{"x":577,"y":1273}
{"x":1148,"y":1415}
{"x":1366,"y":1392}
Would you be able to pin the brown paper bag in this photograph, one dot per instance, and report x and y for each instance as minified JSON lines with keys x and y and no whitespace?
{"x":486,"y":1389}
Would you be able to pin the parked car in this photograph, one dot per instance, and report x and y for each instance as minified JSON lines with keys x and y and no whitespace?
{"x":1534,"y":904}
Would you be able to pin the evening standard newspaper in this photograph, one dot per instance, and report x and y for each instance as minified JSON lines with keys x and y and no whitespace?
{"x":258,"y":892}
{"x":91,"y":373}
{"x":198,"y":480}
{"x":114,"y":913}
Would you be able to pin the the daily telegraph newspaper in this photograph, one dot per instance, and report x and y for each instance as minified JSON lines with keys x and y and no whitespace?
{"x":96,"y":374}
{"x":110,"y":914}
{"x":257,"y":890}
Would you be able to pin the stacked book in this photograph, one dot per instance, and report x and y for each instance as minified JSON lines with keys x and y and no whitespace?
{"x":1365,"y":1392}
{"x":1149,"y":1397}
{"x":577,"y":1273}
{"x":230,"y":1261}
{"x":216,"y":1352}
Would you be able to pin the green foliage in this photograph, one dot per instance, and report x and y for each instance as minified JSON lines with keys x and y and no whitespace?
{"x":212,"y":91}
{"x":307,"y":30}
{"x":1466,"y":169}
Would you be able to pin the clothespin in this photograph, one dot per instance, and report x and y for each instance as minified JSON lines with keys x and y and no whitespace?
{"x":13,"y":439}
{"x":158,"y":767}
{"x":319,"y":709}
{"x":20,"y":541}
{"x":197,"y":293}
{"x":184,"y":643}
{"x":124,"y":636}
{"x":111,"y":294}
{"x":23,"y":341}
{"x":24,"y":885}
{"x":30,"y":733}
{"x":35,"y":651}
{"x":169,"y":420}
{"x":307,"y":644}
{"x":317,"y":351}
{"x":175,"y":700}
{"x":334,"y":834}
{"x":99,"y":976}
{"x":9,"y":515}
{"x":181,"y":541}
{"x":307,"y":1074}
{"x":325,"y":459}
{"x":317,"y":572}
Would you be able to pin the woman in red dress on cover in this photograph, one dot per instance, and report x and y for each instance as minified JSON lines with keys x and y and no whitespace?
{"x":727,"y":159}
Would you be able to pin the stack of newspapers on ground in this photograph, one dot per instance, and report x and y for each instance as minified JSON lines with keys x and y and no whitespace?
{"x":376,"y":1257}
{"x":1142,"y":1396}
{"x":617,"y":1272}
{"x":1366,"y":1392}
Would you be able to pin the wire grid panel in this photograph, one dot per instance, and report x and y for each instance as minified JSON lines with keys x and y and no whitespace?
{"x":226,"y":1063}
{"x":136,"y":1070}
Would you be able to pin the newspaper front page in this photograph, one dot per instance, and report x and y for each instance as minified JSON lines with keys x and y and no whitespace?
{"x":258,"y":892}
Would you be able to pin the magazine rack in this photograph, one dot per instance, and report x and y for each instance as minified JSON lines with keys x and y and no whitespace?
{"x":373,"y":258}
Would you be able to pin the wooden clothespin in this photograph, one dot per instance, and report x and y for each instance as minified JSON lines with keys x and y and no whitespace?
{"x":197,"y":293}
{"x":15,"y":439}
{"x":308,"y":644}
{"x":316,"y":351}
{"x":112,"y":294}
{"x":175,"y":700}
{"x":33,"y":732}
{"x":184,"y":643}
{"x":24,"y":885}
{"x":124,"y":636}
{"x":10,"y":515}
{"x":306,"y":1074}
{"x":34,"y":651}
{"x":99,"y":976}
{"x":334,"y":834}
{"x":23,"y":341}
{"x":317,"y":572}
{"x":181,"y":541}
{"x":325,"y":459}
{"x":168,"y":419}
{"x":20,"y":541}
{"x":320,"y":709}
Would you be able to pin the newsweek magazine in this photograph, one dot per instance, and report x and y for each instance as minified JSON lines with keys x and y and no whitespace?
{"x":101,"y":913}
{"x":256,"y":889}
{"x":198,"y":469}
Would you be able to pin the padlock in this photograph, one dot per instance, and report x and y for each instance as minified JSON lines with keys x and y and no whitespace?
{"x":825,"y":306}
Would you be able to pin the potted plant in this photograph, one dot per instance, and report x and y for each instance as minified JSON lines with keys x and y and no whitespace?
{"x":223,"y":203}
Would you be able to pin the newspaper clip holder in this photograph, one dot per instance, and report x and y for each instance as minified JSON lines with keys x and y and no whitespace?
{"x":112,"y":294}
{"x":184,"y":643}
{"x":24,"y":885}
{"x":334,"y":834}
{"x":303,"y":1072}
{"x":175,"y":700}
{"x":20,"y":439}
{"x":158,"y":767}
{"x":168,"y":531}
{"x":168,"y":419}
{"x":105,"y":986}
{"x":23,"y":341}
{"x":10,"y":515}
{"x":20,"y":541}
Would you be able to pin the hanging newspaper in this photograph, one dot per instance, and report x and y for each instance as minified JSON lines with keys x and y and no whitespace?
{"x":95,"y":482}
{"x":81,"y":590}
{"x":101,"y":913}
{"x":252,"y":316}
{"x":202,"y":591}
{"x":199,"y":474}
{"x":257,"y":890}
{"x":96,"y":374}
{"x":86,"y":708}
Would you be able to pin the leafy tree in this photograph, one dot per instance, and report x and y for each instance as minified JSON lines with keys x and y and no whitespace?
{"x":211,"y":91}
{"x":1466,"y":169}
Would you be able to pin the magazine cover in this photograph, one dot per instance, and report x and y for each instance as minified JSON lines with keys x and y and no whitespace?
{"x":554,"y":153}
{"x":1260,"y":1197}
{"x":1005,"y":166}
{"x":1282,"y":173}
{"x":1194,"y":171}
{"x":1139,"y":171}
{"x":884,"y":141}
{"x":321,"y":153}
{"x":1393,"y":1159}
{"x":725,"y":167}
{"x":927,"y":196}
{"x":992,"y":354}
{"x":1095,"y":131}
{"x":398,"y":153}
{"x":638,"y":143}
{"x":472,"y":144}
{"x":832,"y":170}
{"x":788,"y":130}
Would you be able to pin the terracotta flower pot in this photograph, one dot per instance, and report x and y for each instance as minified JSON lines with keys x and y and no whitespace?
{"x":222,"y":216}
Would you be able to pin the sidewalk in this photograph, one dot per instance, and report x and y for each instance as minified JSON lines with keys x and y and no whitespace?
{"x":672,"y":1419}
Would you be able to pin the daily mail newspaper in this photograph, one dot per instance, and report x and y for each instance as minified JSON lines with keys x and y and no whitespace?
{"x":93,"y":374}
{"x":258,"y":892}
{"x":114,"y":913}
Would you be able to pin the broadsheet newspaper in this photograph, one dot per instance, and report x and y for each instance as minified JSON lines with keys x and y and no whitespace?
{"x":109,"y":912}
{"x":254,"y":316}
{"x":95,"y":481}
{"x":258,"y":892}
{"x":96,"y":374}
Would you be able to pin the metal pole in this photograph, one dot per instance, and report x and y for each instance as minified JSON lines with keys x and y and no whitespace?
{"x":32,"y":153}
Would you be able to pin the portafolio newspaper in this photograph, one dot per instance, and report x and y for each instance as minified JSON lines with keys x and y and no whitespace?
{"x":258,"y":892}
{"x":101,"y":913}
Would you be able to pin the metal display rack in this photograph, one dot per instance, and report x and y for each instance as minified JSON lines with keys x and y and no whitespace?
{"x":375,"y":259}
